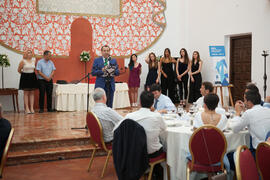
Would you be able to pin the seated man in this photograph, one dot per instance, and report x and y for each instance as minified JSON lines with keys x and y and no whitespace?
{"x":151,"y":121}
{"x":256,"y":118}
{"x":253,"y":87}
{"x":106,"y":115}
{"x":162,"y":103}
{"x":153,"y":124}
{"x":5,"y":128}
{"x":206,"y":88}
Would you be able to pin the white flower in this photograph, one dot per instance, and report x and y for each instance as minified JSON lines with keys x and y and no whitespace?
{"x":85,"y":56}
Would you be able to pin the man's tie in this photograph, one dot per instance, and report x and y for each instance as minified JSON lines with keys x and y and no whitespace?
{"x":106,"y":62}
{"x":155,"y":105}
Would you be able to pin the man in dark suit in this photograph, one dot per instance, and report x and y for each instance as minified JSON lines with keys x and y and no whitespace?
{"x":5,"y":128}
{"x":105,"y":68}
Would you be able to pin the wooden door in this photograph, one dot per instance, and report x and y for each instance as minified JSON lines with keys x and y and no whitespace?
{"x":240,"y":64}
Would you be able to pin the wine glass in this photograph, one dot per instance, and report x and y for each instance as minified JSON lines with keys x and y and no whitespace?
{"x":180,"y":110}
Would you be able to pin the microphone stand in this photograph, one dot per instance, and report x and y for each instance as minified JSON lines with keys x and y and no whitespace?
{"x":265,"y":54}
{"x":87,"y":106}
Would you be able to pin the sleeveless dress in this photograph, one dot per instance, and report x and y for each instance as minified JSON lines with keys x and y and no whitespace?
{"x":182,"y":67}
{"x":151,"y":76}
{"x":194,"y":87}
{"x":167,"y":84}
{"x":28,"y":78}
{"x":134,"y":76}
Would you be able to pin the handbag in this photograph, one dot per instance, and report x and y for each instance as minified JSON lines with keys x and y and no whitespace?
{"x":221,"y":176}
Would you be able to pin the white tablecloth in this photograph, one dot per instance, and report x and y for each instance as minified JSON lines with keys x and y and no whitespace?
{"x":176,"y":143}
{"x":73,"y":97}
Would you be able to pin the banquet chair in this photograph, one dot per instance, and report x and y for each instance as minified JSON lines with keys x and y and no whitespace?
{"x":5,"y":152}
{"x":245,"y":164}
{"x":207,"y":146}
{"x":154,"y":161}
{"x":263,"y":160}
{"x":96,"y":133}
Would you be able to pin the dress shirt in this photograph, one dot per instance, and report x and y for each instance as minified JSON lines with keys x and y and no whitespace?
{"x":222,"y":124}
{"x":46,"y":67}
{"x":164,"y":102}
{"x":108,"y":119}
{"x":266,"y":105}
{"x":257,"y":119}
{"x":200,"y":102}
{"x":153,"y":124}
{"x":219,"y":109}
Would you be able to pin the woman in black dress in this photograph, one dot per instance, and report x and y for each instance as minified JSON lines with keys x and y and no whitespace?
{"x":167,"y":74}
{"x":182,"y":69}
{"x":152,"y":76}
{"x":195,"y":78}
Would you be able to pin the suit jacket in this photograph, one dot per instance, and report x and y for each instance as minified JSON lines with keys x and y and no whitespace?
{"x":130,"y":150}
{"x":97,"y":71}
{"x":5,"y":128}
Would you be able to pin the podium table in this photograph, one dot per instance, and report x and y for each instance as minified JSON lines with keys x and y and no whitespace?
{"x":73,"y":97}
{"x":14,"y":93}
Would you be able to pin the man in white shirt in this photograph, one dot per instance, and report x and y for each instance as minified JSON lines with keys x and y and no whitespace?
{"x":162,"y":103}
{"x":106,"y":115}
{"x":206,"y":88}
{"x":256,"y":118}
{"x":152,"y":122}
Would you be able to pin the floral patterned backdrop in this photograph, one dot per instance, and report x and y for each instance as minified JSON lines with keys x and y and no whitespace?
{"x":140,"y":25}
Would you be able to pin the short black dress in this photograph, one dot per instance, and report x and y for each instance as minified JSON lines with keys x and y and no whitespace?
{"x":28,"y":80}
{"x":151,"y":76}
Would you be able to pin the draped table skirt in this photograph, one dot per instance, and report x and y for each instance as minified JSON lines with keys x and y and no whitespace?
{"x":73,"y":97}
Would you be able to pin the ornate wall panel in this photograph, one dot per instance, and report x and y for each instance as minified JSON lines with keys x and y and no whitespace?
{"x":141,"y":23}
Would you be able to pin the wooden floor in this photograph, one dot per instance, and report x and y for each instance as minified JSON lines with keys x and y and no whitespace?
{"x":49,"y":126}
{"x":44,"y":147}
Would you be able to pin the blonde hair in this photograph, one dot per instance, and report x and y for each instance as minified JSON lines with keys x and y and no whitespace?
{"x":25,"y":54}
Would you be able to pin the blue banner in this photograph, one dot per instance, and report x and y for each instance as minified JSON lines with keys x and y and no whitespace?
{"x":221,"y":69}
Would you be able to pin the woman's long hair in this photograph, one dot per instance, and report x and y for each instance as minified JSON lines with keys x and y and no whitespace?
{"x":131,"y":62}
{"x":167,"y":49}
{"x":150,"y":64}
{"x":198,"y":58}
{"x":186,"y":58}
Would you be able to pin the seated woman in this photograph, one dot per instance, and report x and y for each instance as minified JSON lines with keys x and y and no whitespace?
{"x":209,"y":116}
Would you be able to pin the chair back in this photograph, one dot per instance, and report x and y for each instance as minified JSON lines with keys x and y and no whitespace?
{"x":245,"y":164}
{"x":95,"y":130}
{"x":263,"y":160}
{"x":5,"y":153}
{"x":207,"y":146}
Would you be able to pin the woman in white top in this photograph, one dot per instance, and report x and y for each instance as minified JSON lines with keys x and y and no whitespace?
{"x":28,"y":80}
{"x":209,"y":116}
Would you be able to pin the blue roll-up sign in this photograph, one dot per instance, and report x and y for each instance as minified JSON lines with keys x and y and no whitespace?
{"x":221,"y":69}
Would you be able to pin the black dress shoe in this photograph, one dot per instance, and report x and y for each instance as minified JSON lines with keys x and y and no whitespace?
{"x":41,"y":111}
{"x":51,"y":110}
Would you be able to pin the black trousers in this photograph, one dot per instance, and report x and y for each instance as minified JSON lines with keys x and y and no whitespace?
{"x":183,"y":84}
{"x":194,"y":88}
{"x":167,"y":84}
{"x":158,"y":169}
{"x":45,"y":87}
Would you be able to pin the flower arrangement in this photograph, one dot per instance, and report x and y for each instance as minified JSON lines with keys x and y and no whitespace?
{"x":4,"y":61}
{"x":158,"y":58}
{"x":85,"y":56}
